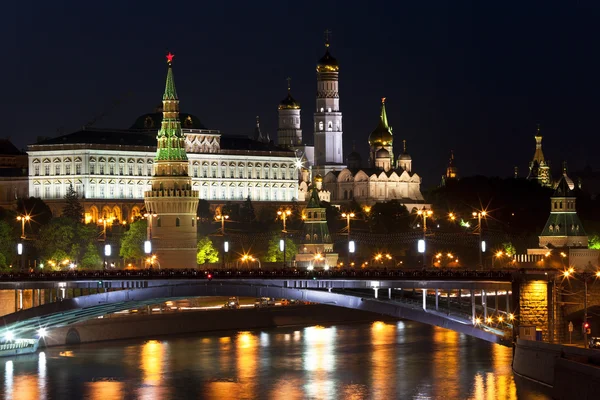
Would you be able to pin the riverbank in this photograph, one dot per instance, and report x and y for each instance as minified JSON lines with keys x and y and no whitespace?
{"x":177,"y":323}
{"x":570,"y":372}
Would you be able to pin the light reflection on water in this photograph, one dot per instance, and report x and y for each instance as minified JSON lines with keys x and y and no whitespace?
{"x":362,"y":361}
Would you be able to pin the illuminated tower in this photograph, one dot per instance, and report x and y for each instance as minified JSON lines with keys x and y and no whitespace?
{"x":563,"y":228}
{"x":381,"y":140}
{"x":405,"y":160}
{"x":328,"y":117}
{"x":289,"y":132}
{"x":539,"y":168}
{"x":451,"y":171}
{"x":172,"y":198}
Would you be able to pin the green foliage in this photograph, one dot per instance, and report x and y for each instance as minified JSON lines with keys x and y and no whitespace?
{"x":203,"y":211}
{"x":91,"y":258}
{"x":132,"y":241}
{"x":389,"y":217}
{"x":73,"y":208}
{"x":594,"y":242}
{"x":65,"y":239}
{"x":207,"y":253}
{"x":273,"y":253}
{"x":7,"y":245}
{"x":509,"y":249}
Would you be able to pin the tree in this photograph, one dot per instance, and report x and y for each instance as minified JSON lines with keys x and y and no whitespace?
{"x":207,"y":253}
{"x":594,"y":242}
{"x":7,"y":245}
{"x":65,"y":239}
{"x":273,"y":252}
{"x":247,"y":214}
{"x":509,"y":249}
{"x":73,"y":208}
{"x":132,"y":241}
{"x":91,"y":258}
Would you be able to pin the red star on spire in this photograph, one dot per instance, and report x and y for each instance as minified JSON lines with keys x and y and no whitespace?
{"x":170,"y":58}
{"x":383,"y":100}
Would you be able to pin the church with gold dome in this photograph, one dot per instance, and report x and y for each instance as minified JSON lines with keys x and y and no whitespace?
{"x":383,"y":178}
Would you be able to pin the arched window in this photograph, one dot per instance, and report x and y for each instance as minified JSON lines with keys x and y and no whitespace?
{"x":192,"y":221}
{"x":177,"y":221}
{"x":350,"y":194}
{"x":557,"y":228}
{"x":329,"y":126}
{"x":345,"y":195}
{"x":321,"y":126}
{"x":158,"y":223}
{"x":307,"y":236}
{"x":551,"y":228}
{"x":315,"y":237}
{"x":560,"y":205}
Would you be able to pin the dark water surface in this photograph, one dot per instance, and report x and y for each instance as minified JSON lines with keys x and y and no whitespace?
{"x":401,"y":360}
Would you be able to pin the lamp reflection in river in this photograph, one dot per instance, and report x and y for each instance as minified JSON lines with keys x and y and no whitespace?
{"x":247,"y":354}
{"x":446,"y":363}
{"x":42,"y":375}
{"x":383,"y":365}
{"x":153,"y":364}
{"x":318,"y":358}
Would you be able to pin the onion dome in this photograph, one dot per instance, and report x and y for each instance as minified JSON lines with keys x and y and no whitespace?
{"x":404,"y":155}
{"x":354,"y":160}
{"x":289,"y":103}
{"x":318,"y":178}
{"x":382,"y":135}
{"x":327,"y":63}
{"x":382,"y":153}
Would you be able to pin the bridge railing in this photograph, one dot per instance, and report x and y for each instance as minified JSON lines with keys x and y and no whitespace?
{"x":288,"y":273}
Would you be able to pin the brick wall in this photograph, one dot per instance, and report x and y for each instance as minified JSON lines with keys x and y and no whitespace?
{"x":533,"y":305}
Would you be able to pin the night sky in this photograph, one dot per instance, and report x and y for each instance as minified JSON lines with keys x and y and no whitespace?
{"x":475,"y":78}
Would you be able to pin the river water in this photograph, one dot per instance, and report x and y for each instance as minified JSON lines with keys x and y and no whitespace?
{"x":399,"y":360}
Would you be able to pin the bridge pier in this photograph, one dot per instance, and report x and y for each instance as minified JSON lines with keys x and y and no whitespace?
{"x":376,"y":292}
{"x":448,"y":299}
{"x":484,"y":304}
{"x":437,"y":295}
{"x":424,"y":299}
{"x":390,"y":293}
{"x":473,"y":314}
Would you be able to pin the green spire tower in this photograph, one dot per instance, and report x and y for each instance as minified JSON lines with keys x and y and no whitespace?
{"x":172,"y":202}
{"x":171,"y":141}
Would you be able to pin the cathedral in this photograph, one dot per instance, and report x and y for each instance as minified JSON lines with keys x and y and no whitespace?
{"x":384,"y":178}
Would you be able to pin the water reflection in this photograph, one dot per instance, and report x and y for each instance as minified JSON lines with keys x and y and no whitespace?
{"x":362,"y":361}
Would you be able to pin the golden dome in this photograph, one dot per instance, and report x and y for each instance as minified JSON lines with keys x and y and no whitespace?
{"x":318,"y":178}
{"x":327,"y":63}
{"x":289,"y":103}
{"x":382,"y":135}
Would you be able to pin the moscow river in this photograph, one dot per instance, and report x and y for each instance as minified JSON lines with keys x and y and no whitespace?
{"x":398,"y":360}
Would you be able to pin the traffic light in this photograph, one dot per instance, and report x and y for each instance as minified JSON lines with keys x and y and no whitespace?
{"x":209,"y":276}
{"x":586,"y":328}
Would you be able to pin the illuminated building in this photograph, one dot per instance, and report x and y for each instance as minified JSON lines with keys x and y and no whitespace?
{"x":13,"y":173}
{"x":451,"y":171}
{"x":539,"y":167}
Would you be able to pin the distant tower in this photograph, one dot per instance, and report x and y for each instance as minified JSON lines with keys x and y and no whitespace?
{"x":328,"y":117}
{"x":258,"y":135}
{"x":172,"y":198}
{"x":354,"y":160}
{"x":317,"y":247}
{"x":539,"y":168}
{"x":289,"y":132}
{"x":405,"y":160}
{"x":451,"y":170}
{"x":563,"y":228}
{"x":381,"y":154}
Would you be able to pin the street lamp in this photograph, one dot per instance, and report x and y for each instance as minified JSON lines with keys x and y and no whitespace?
{"x":149,"y":216}
{"x":23,"y":218}
{"x":348,"y":216}
{"x":584,"y":276}
{"x":479,"y":215}
{"x":283,"y":214}
{"x":424,"y":213}
{"x":222,"y":218}
{"x":103,"y":222}
{"x":20,"y":253}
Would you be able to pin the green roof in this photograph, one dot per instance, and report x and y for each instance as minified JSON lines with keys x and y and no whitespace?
{"x":563,"y":224}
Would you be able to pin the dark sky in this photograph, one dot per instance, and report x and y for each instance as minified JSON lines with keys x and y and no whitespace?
{"x":475,"y":78}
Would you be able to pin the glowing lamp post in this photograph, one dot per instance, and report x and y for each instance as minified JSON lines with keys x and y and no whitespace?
{"x":23,"y":218}
{"x":283,"y":214}
{"x":348,"y":216}
{"x":425,"y":214}
{"x":479,"y":215}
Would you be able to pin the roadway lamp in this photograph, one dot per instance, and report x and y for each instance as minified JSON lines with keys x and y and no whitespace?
{"x":107,"y":250}
{"x":20,"y":249}
{"x":147,"y":247}
{"x":421,"y":246}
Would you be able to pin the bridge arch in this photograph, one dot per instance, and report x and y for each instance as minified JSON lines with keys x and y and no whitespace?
{"x":78,"y":309}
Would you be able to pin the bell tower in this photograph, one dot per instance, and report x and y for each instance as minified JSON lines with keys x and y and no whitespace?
{"x":289,"y":132}
{"x":172,"y":199}
{"x":328,"y":117}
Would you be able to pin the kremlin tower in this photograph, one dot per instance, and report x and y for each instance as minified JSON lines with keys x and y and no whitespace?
{"x":172,"y":200}
{"x":328,"y":117}
{"x":289,"y":133}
